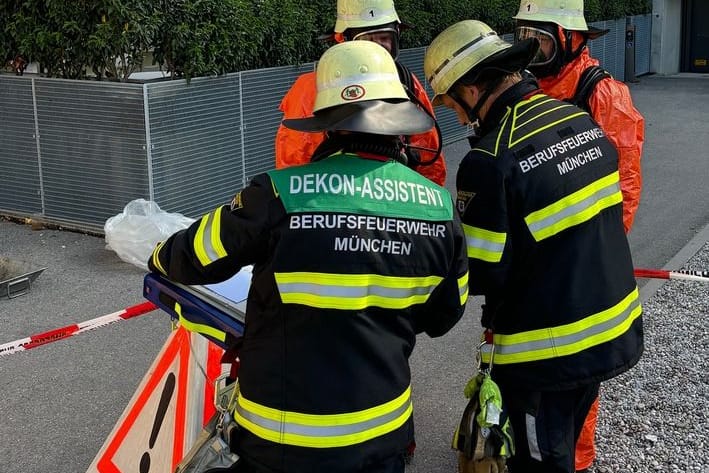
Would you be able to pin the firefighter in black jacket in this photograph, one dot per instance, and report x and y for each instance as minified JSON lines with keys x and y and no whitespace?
{"x":540,"y":202}
{"x":353,"y":255}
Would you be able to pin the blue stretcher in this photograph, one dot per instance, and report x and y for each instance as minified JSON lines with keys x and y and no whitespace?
{"x":221,"y":306}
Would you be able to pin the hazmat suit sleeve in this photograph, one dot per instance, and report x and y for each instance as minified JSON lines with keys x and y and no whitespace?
{"x":296,"y":147}
{"x":436,"y":171}
{"x":613,"y":110}
{"x":219,"y":244}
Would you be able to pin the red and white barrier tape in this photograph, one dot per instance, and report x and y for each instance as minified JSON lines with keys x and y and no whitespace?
{"x":71,"y":330}
{"x":687,"y":275}
{"x":145,"y":307}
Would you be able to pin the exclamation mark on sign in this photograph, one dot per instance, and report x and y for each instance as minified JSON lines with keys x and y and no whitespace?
{"x":165,"y":398}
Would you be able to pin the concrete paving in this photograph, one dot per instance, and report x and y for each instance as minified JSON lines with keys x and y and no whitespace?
{"x":59,"y":401}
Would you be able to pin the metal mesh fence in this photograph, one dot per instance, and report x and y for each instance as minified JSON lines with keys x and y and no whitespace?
{"x":92,"y":148}
{"x":75,"y":152}
{"x":262,"y":91}
{"x":195,"y":148}
{"x":20,"y":179}
{"x":610,"y":48}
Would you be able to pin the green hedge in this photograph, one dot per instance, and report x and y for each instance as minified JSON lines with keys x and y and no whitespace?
{"x":106,"y":39}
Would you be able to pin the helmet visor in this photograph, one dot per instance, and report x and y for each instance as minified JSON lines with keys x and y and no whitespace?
{"x":387,"y":37}
{"x":547,"y":44}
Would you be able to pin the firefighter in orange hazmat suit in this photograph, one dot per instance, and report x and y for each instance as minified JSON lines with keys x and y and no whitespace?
{"x":560,"y":65}
{"x":560,"y":25}
{"x":373,"y":20}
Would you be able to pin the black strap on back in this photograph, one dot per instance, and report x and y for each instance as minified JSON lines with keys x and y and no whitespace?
{"x":590,"y":77}
{"x":406,"y":80}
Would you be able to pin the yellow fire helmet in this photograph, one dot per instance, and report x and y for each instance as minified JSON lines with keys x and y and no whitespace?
{"x":364,"y":14}
{"x":468,"y":45}
{"x":566,"y":13}
{"x":358,"y":89}
{"x":355,"y":71}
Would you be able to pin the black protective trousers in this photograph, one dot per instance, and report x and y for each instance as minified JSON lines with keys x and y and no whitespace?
{"x":546,"y":426}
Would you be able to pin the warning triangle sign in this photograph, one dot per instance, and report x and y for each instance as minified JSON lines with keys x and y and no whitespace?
{"x":167,"y":411}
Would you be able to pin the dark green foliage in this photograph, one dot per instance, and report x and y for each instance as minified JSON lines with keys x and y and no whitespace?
{"x":119,"y":40}
{"x":205,"y":37}
{"x":189,"y":38}
{"x":70,"y":38}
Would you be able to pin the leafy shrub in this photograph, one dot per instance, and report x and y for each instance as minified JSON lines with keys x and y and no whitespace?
{"x":189,"y":38}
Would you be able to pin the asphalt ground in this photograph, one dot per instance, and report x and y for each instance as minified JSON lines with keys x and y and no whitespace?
{"x":60,"y":401}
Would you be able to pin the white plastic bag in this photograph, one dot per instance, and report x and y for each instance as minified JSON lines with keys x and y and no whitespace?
{"x":134,"y":233}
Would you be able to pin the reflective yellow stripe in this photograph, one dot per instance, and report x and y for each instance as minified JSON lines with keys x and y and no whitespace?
{"x":484,"y":244}
{"x":354,"y":291}
{"x":199,"y":249}
{"x":504,"y":121}
{"x":575,"y":208}
{"x":535,"y":98}
{"x":323,"y":431}
{"x":199,"y":328}
{"x":515,"y":128}
{"x":463,"y":288}
{"x":542,"y":128}
{"x":156,"y":258}
{"x":566,"y":339}
{"x":216,"y":234}
{"x":207,"y":241}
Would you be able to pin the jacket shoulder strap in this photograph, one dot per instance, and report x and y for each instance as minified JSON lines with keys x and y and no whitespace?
{"x":590,"y":77}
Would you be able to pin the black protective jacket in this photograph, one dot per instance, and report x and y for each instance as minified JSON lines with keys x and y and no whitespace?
{"x":541,"y":208}
{"x":352,"y":258}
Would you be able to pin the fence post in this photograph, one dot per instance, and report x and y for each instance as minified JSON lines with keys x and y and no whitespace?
{"x":629,"y":51}
{"x":241,"y":130}
{"x":148,"y":143}
{"x":37,"y":142}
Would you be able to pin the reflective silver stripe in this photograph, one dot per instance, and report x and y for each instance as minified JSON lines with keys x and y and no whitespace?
{"x":463,"y":288}
{"x":532,"y":441}
{"x":207,"y":244}
{"x":464,"y":52}
{"x":363,"y":79}
{"x":322,"y":431}
{"x":568,"y":211}
{"x":207,"y":240}
{"x":560,"y":12}
{"x":488,"y":250}
{"x":354,"y":291}
{"x":557,"y":344}
{"x":485,"y":245}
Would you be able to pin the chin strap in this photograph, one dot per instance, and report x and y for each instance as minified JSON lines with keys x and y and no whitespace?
{"x":472,"y":113}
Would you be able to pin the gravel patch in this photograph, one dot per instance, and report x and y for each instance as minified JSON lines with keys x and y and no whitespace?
{"x":655,"y":417}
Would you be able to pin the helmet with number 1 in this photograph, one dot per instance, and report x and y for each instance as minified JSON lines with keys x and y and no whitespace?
{"x":355,"y":14}
{"x":371,"y":20}
{"x":560,"y":27}
{"x":358,"y":89}
{"x":568,"y":14}
{"x":469,"y":46}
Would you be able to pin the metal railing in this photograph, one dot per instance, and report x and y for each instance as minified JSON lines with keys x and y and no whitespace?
{"x":75,"y":152}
